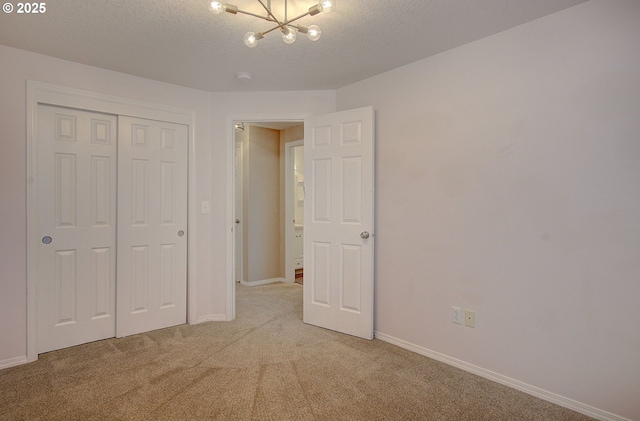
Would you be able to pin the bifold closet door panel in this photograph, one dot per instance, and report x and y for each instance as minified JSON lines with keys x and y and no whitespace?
{"x":76,"y":261}
{"x":152,"y":225}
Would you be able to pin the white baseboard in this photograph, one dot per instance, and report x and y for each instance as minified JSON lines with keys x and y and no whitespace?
{"x":262,"y":282}
{"x":11,"y":362}
{"x":507,"y":381}
{"x":212,"y":318}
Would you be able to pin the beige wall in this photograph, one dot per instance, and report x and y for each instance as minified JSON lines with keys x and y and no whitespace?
{"x":508,"y":182}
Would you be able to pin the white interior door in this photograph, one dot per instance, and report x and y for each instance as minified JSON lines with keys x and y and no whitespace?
{"x":76,"y":176}
{"x":152,"y":225}
{"x":338,"y":221}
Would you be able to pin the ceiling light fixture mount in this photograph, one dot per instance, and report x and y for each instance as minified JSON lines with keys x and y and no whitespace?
{"x":286,"y":26}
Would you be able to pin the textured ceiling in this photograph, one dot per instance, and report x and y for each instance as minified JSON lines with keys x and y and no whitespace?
{"x":181,"y":42}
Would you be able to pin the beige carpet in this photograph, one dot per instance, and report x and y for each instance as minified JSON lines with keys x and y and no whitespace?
{"x":265,"y":365}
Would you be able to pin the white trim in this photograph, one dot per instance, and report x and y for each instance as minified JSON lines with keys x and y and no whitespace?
{"x":212,"y":318}
{"x":262,"y":282}
{"x":44,"y":93}
{"x":507,"y":381}
{"x":238,"y":262}
{"x":230,"y":286}
{"x":12,"y":362}
{"x":289,"y":210}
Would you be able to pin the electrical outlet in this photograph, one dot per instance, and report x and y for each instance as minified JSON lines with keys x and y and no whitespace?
{"x":456,"y":315}
{"x":470,"y":318}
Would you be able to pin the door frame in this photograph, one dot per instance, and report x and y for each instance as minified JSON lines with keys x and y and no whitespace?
{"x":238,"y":261}
{"x":232,"y":119}
{"x":61,"y":96}
{"x":289,"y":209}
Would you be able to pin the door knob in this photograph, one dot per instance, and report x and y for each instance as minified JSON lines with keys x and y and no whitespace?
{"x":47,"y":240}
{"x":180,"y":233}
{"x":237,"y":221}
{"x":364,"y":235}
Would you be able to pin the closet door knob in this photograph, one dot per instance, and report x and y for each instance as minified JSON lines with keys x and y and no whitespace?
{"x":364,"y":235}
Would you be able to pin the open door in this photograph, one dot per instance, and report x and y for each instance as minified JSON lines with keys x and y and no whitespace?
{"x":338,"y":231}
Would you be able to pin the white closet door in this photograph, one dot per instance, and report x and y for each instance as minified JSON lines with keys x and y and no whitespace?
{"x":152,"y":225}
{"x":76,"y":184}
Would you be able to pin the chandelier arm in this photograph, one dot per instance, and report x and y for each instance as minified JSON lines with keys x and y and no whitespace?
{"x":296,"y":18}
{"x":283,"y":24}
{"x":267,"y":18}
{"x":272,"y":29}
{"x":271,"y":14}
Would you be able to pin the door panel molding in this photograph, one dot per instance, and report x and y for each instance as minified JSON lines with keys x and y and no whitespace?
{"x":44,"y":93}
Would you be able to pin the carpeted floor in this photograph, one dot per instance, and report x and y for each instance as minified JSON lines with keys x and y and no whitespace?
{"x":265,"y":365}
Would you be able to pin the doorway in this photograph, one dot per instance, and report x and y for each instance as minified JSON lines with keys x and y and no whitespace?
{"x":339,"y":249}
{"x":264,"y":209}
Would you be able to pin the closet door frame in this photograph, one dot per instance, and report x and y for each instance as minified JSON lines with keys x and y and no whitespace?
{"x":44,"y":93}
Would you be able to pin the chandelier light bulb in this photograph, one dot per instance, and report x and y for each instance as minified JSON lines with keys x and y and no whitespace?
{"x":250,"y":39}
{"x":288,"y":35}
{"x":328,"y":5}
{"x":217,"y":7}
{"x":314,"y":32}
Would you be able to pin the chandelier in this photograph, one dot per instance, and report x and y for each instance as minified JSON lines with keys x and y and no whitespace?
{"x":285,"y":25}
